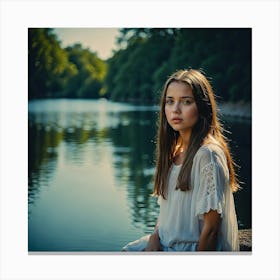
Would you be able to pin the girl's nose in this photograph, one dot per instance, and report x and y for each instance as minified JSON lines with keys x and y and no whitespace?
{"x":176,"y":107}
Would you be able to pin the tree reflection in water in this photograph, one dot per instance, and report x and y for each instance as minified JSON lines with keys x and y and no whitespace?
{"x":133,"y":140}
{"x":131,"y":134}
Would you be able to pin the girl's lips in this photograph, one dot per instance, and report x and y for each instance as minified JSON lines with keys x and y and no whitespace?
{"x":176,"y":120}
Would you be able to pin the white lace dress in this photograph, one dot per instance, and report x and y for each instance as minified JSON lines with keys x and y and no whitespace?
{"x":181,"y":215}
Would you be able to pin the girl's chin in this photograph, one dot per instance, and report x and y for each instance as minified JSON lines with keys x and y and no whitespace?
{"x":181,"y":129}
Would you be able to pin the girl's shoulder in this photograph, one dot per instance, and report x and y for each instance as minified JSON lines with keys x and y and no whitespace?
{"x":210,"y":152}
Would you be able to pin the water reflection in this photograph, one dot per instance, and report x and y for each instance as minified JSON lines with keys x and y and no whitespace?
{"x":133,"y":157}
{"x":90,"y":171}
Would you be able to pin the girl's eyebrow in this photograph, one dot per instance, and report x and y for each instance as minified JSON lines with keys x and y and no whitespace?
{"x":171,"y":97}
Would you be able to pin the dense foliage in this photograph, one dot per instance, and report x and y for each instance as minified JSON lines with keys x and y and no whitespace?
{"x":55,"y":72}
{"x":140,"y":66}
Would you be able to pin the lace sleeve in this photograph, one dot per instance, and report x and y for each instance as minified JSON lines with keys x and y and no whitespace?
{"x":210,"y":190}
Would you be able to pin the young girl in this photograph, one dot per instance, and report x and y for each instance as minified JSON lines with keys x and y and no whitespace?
{"x":195,"y":177}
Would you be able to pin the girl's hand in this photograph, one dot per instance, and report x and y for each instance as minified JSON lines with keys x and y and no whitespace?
{"x":154,"y":243}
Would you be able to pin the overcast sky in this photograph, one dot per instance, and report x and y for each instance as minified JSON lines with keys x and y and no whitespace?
{"x":100,"y":40}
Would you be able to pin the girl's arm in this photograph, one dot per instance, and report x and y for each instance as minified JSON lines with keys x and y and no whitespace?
{"x":208,"y":236}
{"x":154,"y":241}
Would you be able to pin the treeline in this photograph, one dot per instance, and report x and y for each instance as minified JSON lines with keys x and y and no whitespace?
{"x":139,"y":68}
{"x":56,"y":72}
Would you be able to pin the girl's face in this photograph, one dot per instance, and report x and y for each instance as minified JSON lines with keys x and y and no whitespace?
{"x":180,"y":107}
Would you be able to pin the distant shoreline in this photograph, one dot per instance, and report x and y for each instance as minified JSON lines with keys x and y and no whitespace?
{"x":240,"y":109}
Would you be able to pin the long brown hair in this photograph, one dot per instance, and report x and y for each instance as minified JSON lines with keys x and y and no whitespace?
{"x":207,"y":124}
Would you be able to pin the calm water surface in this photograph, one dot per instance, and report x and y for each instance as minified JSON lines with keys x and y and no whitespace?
{"x":90,"y":171}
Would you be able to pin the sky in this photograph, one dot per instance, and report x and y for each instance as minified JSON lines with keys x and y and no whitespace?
{"x":99,"y":40}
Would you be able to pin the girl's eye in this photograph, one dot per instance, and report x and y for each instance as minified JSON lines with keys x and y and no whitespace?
{"x":186,"y":102}
{"x":169,"y":101}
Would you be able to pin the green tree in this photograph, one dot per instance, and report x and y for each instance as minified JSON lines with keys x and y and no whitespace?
{"x":131,"y":69}
{"x":88,"y":81}
{"x":48,"y":67}
{"x":57,"y":72}
{"x":138,"y":70}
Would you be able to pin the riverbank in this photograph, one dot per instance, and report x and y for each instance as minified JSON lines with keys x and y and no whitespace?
{"x":245,"y":239}
{"x":239,"y":109}
{"x":229,"y":109}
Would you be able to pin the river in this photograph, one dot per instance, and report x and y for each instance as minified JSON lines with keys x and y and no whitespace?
{"x":90,"y":172}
